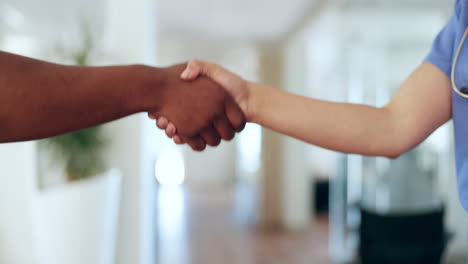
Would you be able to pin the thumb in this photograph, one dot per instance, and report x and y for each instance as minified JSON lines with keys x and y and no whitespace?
{"x":213,"y":71}
{"x":192,"y":71}
{"x":220,"y":75}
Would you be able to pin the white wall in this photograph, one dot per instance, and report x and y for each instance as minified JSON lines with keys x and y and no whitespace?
{"x":17,"y":163}
{"x":130,"y":37}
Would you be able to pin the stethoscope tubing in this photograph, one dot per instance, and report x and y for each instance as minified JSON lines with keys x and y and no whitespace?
{"x":454,"y":65}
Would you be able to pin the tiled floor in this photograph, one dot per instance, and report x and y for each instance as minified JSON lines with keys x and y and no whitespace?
{"x":209,"y":227}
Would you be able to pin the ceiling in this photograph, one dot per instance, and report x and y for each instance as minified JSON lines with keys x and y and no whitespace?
{"x":252,"y":19}
{"x":220,"y":19}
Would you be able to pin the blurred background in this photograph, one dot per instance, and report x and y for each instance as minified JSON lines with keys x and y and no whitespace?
{"x":122,"y":193}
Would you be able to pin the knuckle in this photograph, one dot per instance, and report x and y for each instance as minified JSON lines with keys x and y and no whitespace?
{"x":229,"y":135}
{"x":238,"y":121}
{"x":215,"y":142}
{"x":193,"y":145}
{"x":197,"y":144}
{"x":240,"y":125}
{"x":200,"y":148}
{"x":210,"y":142}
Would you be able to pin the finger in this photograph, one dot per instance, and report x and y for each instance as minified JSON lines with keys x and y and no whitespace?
{"x":196,"y":143}
{"x":192,"y":71}
{"x":170,"y":130}
{"x":178,"y":140}
{"x":162,"y":123}
{"x":224,"y":128}
{"x":235,"y":115}
{"x":210,"y":136}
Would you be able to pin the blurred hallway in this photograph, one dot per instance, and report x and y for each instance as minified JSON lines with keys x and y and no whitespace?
{"x":357,"y":52}
{"x":211,"y":226}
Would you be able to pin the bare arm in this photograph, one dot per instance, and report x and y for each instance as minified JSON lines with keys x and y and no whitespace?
{"x":421,"y":105}
{"x":40,"y":99}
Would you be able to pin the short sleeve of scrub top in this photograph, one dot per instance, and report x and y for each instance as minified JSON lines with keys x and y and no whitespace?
{"x":442,"y":55}
{"x":443,"y":47}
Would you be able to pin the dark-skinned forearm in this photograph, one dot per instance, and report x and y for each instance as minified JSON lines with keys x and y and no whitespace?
{"x":40,"y":99}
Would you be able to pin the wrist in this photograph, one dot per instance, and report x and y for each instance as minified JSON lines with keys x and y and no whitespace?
{"x":249,"y":107}
{"x":254,"y":101}
{"x":147,"y":95}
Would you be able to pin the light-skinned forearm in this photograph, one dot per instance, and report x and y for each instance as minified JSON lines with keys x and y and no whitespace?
{"x":341,"y":127}
{"x":417,"y":109}
{"x":40,"y":99}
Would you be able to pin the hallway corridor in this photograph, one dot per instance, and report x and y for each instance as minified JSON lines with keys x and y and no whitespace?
{"x":210,"y":227}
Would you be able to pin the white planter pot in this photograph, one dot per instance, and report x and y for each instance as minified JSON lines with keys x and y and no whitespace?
{"x":77,"y":222}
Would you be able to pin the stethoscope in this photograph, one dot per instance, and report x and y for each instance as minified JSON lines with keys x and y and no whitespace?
{"x":463,"y":92}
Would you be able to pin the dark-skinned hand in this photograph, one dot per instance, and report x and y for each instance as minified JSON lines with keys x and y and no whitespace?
{"x":203,"y":112}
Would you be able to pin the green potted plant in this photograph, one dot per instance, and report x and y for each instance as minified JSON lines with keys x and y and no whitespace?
{"x":76,"y":222}
{"x":81,"y":152}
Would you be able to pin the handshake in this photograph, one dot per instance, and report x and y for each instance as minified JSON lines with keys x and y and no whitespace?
{"x":196,"y":103}
{"x":203,"y":104}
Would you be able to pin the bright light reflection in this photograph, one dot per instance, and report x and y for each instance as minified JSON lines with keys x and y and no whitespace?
{"x":169,"y":168}
{"x":250,"y":146}
{"x":19,"y":44}
{"x":171,"y":225}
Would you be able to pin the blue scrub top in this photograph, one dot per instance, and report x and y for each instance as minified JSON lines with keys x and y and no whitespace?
{"x":442,"y":55}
